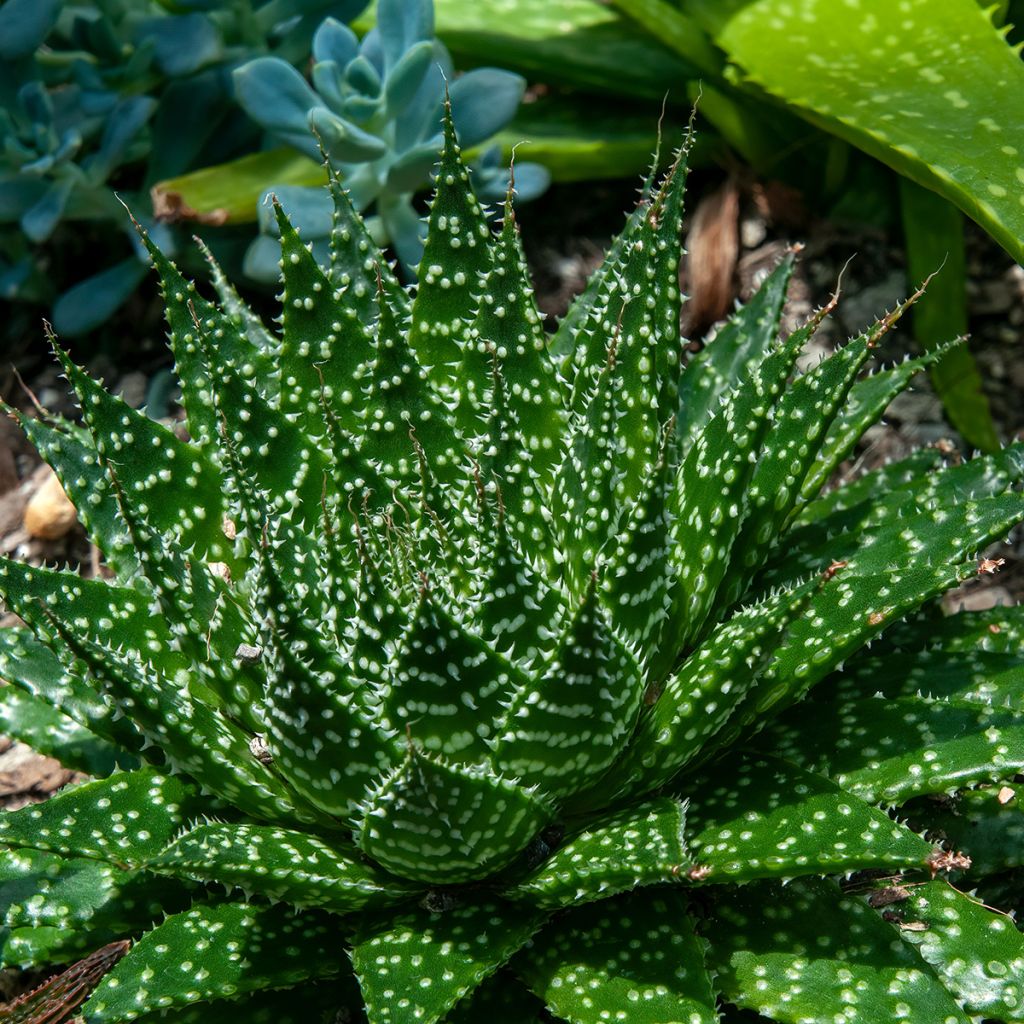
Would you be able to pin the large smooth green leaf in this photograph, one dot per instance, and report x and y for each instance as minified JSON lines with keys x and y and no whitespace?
{"x":933,"y":232}
{"x":883,"y":76}
{"x":580,"y":43}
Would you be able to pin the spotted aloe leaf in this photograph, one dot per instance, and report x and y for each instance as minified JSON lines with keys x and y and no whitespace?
{"x":435,"y":958}
{"x":737,"y":348}
{"x":36,"y":669}
{"x":283,"y":865}
{"x":763,"y":935}
{"x":772,"y":819}
{"x":633,"y":958}
{"x":125,"y":819}
{"x":986,"y":820}
{"x":232,"y":949}
{"x":985,"y":677}
{"x":868,"y":399}
{"x":48,"y":731}
{"x":936,"y":918}
{"x":642,"y":846}
{"x":890,"y":750}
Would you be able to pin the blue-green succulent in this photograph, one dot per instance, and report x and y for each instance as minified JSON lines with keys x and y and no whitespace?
{"x":373,"y":110}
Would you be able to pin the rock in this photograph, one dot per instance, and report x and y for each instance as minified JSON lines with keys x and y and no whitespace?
{"x":976,"y":599}
{"x":49,"y":515}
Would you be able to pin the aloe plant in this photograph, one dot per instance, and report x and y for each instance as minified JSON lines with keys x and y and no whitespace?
{"x":454,"y":670}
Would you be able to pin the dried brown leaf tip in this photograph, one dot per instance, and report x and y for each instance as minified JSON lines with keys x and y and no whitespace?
{"x":990,"y":566}
{"x":947,"y":860}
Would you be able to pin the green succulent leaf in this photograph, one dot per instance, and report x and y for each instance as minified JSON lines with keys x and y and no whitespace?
{"x":124,"y":819}
{"x":888,"y":751}
{"x":765,"y":818}
{"x":436,"y":821}
{"x":417,"y":966}
{"x":501,"y":999}
{"x":57,"y":680}
{"x":640,"y":846}
{"x":284,"y":865}
{"x":990,"y":982}
{"x":455,"y":253}
{"x":771,"y":955}
{"x":986,"y":823}
{"x":230,"y":949}
{"x":593,"y":678}
{"x":984,"y":677}
{"x":72,"y":455}
{"x":742,"y":343}
{"x":634,"y":958}
{"x":48,"y":731}
{"x":434,"y":629}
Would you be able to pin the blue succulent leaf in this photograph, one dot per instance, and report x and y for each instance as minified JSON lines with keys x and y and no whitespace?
{"x":327,"y":80}
{"x":421,"y":119}
{"x":334,"y":41}
{"x":361,"y":109}
{"x":406,"y":77}
{"x":491,"y":178}
{"x":182,"y":44}
{"x":127,"y":119}
{"x":19,"y":195}
{"x":93,"y":301}
{"x":402,"y":24}
{"x":279,"y":99}
{"x":310,"y":211}
{"x":24,"y":24}
{"x":370,"y":48}
{"x":35,"y":101}
{"x":484,"y":101}
{"x":411,"y":171}
{"x":532,"y":180}
{"x":405,"y":229}
{"x":38,"y":222}
{"x":362,"y":77}
{"x":262,"y":260}
{"x":344,"y":142}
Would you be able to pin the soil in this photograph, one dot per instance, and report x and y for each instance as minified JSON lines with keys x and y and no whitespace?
{"x":734,"y":236}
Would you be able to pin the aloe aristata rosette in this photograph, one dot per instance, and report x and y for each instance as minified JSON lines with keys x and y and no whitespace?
{"x":451,"y":669}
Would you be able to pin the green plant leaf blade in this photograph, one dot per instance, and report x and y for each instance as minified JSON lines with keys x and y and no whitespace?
{"x":579,"y":43}
{"x":444,"y":956}
{"x":48,"y":731}
{"x":281,"y":864}
{"x":986,"y":824}
{"x":870,"y":73}
{"x":643,"y":845}
{"x":890,"y":750}
{"x":634,"y":958}
{"x":231,"y":949}
{"x":763,"y":817}
{"x":772,"y":955}
{"x":989,"y":982}
{"x":934,"y":236}
{"x":125,"y":819}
